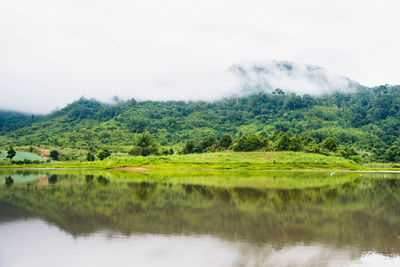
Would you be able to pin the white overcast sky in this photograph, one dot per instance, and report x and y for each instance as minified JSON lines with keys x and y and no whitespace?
{"x":53,"y":52}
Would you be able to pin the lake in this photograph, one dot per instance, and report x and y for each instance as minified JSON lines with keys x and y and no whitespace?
{"x":201,"y":218}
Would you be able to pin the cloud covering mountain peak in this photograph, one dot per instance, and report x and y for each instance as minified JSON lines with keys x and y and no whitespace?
{"x":291,"y":77}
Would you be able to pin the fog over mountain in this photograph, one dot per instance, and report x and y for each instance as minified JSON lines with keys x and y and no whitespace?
{"x":290,"y":77}
{"x":241,"y":80}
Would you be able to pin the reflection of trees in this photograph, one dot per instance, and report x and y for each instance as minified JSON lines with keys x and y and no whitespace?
{"x":143,"y":190}
{"x":53,"y":179}
{"x":103,"y":180}
{"x":9,"y":180}
{"x":365,"y":213}
{"x":209,"y":192}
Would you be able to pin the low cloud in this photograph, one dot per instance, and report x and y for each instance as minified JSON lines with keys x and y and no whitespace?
{"x":290,"y":77}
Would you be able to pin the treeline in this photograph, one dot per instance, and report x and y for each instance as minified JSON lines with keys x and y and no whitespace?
{"x":11,"y":120}
{"x":288,"y":142}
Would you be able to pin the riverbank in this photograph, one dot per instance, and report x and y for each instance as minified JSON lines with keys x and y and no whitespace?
{"x":213,"y":161}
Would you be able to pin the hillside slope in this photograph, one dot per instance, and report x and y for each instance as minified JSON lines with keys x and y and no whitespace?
{"x":367,"y":118}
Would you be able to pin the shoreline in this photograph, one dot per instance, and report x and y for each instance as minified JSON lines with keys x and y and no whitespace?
{"x":217,"y":161}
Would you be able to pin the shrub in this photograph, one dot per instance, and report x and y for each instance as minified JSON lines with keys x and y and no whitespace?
{"x":225,"y":141}
{"x":104,"y":154}
{"x":144,"y":145}
{"x":11,"y":153}
{"x":330,"y":143}
{"x":283,"y":143}
{"x":393,"y":154}
{"x":208,"y":141}
{"x":90,"y":156}
{"x":54,"y":154}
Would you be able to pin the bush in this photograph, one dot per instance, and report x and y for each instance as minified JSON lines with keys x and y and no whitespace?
{"x":144,"y":145}
{"x":189,"y":147}
{"x":330,"y":144}
{"x":393,"y":154}
{"x":225,"y":141}
{"x":54,"y":154}
{"x":167,"y":151}
{"x":11,"y":153}
{"x":208,"y":141}
{"x":104,"y":154}
{"x":283,"y":143}
{"x":90,"y":156}
{"x":247,"y":143}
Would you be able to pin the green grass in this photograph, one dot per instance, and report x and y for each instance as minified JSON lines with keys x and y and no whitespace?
{"x":220,"y":161}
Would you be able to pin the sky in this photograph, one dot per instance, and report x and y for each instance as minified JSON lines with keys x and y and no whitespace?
{"x":53,"y":52}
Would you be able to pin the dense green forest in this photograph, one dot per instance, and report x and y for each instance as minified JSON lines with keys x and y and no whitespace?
{"x":11,"y":120}
{"x":365,"y":120}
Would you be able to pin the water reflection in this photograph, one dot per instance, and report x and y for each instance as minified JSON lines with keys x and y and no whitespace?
{"x":9,"y":180}
{"x":322,"y":221}
{"x":107,"y":249}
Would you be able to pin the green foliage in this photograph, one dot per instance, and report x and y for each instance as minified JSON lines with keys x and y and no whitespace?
{"x":207,"y":142}
{"x":393,"y":154}
{"x":330,"y":144}
{"x":54,"y":154}
{"x":144,"y":145}
{"x":283,"y":143}
{"x":225,"y":141}
{"x":103,"y":154}
{"x":90,"y":156}
{"x":166,"y":151}
{"x":11,"y":153}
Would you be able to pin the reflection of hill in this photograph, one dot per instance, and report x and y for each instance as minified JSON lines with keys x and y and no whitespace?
{"x":363,"y":213}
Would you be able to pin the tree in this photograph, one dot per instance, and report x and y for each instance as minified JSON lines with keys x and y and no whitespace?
{"x":283,"y":143}
{"x":90,"y":156}
{"x":104,"y":154}
{"x":253,"y":143}
{"x":393,"y":154}
{"x":330,"y":143}
{"x":144,"y":145}
{"x":189,"y":147}
{"x":208,"y":141}
{"x":295,"y":144}
{"x":54,"y":154}
{"x":247,"y":143}
{"x":225,"y":141}
{"x":240,"y":144}
{"x":11,"y":153}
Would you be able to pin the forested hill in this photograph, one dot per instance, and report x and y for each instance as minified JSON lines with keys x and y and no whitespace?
{"x":11,"y":120}
{"x":368,"y":118}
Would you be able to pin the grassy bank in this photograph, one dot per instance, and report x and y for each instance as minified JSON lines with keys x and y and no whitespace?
{"x":222,"y":160}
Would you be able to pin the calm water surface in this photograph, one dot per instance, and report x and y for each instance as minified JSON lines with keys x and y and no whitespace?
{"x":87,"y":218}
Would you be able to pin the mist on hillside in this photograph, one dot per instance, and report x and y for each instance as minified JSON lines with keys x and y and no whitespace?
{"x":290,"y":77}
{"x":237,"y":80}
